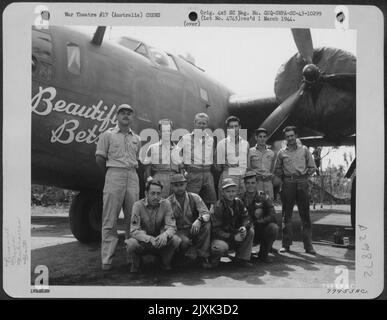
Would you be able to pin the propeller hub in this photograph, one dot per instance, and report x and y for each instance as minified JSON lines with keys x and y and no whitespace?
{"x":311,"y":73}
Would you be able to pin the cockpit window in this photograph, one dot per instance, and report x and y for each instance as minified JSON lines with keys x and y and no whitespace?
{"x":73,"y":58}
{"x":42,"y":55}
{"x":129,"y":43}
{"x":162,"y":59}
{"x":142,"y":50}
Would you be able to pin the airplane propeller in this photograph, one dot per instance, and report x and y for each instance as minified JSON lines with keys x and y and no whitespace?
{"x":282,"y":112}
{"x":312,"y":76}
{"x":304,"y":44}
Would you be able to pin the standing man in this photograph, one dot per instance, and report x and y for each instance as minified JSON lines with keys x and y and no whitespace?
{"x":197,"y":148}
{"x":117,"y":156}
{"x":152,"y":228}
{"x":262,"y":214}
{"x":159,"y":164}
{"x":261,"y":161}
{"x":231,"y":227}
{"x":232,"y":156}
{"x":294,"y":165}
{"x":192,"y":221}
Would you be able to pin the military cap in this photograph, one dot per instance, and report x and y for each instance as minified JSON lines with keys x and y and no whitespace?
{"x":125,"y":106}
{"x":250,"y":174}
{"x":228,"y":182}
{"x":151,"y":181}
{"x":178,"y":177}
{"x":260,"y":130}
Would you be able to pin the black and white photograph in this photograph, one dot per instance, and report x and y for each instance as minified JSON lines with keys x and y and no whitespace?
{"x":193,"y":156}
{"x":261,"y":80}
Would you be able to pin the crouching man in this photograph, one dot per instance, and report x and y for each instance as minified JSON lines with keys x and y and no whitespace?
{"x":231,"y":227}
{"x":152,"y":228}
{"x":262,"y":215}
{"x":192,"y":221}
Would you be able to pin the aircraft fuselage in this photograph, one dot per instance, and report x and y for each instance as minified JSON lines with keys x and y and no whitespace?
{"x":77,"y":87}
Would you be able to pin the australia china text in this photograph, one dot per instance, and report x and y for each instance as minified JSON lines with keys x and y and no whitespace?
{"x":43,"y":103}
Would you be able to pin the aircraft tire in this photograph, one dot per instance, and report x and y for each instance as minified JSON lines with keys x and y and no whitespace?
{"x":85,"y":217}
{"x":353,"y":203}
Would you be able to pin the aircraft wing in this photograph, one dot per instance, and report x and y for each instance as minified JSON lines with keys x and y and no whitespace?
{"x":251,"y":110}
{"x":320,"y":141}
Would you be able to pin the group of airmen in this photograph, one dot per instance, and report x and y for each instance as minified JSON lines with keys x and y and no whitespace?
{"x":182,"y":218}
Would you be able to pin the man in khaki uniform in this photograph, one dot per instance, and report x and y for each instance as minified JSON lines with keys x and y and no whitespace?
{"x":117,"y":155}
{"x":197,"y":150}
{"x":159,"y":164}
{"x":231,"y":155}
{"x":152,"y":228}
{"x":192,"y":221}
{"x":294,"y":165}
{"x":261,"y":161}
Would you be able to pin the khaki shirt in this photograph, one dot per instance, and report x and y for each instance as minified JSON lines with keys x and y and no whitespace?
{"x":159,"y":157}
{"x":233,"y":155}
{"x":120,"y":150}
{"x":184,"y":216}
{"x":196,"y":151}
{"x":147,"y":221}
{"x":263,"y":162}
{"x":298,"y":162}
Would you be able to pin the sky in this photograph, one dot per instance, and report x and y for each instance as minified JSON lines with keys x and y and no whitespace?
{"x":246,"y":60}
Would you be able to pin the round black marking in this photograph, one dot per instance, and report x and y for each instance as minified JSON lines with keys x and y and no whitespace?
{"x":193,"y":16}
{"x":340,"y":17}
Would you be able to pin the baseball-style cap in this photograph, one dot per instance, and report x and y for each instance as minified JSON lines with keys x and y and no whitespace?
{"x":178,"y":177}
{"x":228,"y":182}
{"x":257,"y":131}
{"x":125,"y":106}
{"x":250,"y":174}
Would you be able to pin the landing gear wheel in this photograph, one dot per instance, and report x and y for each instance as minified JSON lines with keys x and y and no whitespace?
{"x":85,"y":217}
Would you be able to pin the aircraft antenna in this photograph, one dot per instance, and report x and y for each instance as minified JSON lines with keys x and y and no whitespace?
{"x":98,"y":35}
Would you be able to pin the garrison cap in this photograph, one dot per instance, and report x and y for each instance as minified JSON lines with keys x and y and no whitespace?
{"x":125,"y":106}
{"x":250,"y":174}
{"x":178,"y":177}
{"x":228,"y":182}
{"x":257,"y":131}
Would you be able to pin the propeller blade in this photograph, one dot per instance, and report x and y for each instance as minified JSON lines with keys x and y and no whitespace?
{"x":282,"y":112}
{"x":303,"y":40}
{"x":340,"y":80}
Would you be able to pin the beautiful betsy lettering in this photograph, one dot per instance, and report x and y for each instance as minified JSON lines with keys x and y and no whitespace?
{"x":43,"y":104}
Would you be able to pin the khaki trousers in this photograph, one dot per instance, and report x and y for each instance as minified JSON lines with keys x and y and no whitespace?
{"x":136,"y":249}
{"x":242,"y":249}
{"x":266,"y":186}
{"x":120,"y":192}
{"x":199,"y":243}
